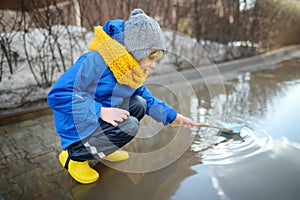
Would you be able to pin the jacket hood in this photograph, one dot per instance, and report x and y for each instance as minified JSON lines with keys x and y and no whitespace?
{"x":115,"y":29}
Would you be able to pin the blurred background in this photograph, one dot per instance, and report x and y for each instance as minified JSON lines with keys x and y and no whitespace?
{"x":270,"y":23}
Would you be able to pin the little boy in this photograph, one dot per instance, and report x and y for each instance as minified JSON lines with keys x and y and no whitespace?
{"x":99,"y":101}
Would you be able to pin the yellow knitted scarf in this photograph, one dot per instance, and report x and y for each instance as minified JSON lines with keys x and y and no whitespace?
{"x":125,"y":68}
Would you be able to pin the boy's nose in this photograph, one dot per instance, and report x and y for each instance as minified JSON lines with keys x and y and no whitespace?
{"x":152,"y":66}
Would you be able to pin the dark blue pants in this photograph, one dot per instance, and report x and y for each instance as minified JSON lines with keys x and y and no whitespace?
{"x":107,"y":138}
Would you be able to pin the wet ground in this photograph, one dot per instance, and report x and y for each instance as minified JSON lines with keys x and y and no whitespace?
{"x":262,"y":162}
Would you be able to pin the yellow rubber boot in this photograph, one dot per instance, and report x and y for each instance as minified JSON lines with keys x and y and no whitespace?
{"x":116,"y":156}
{"x":80,"y":171}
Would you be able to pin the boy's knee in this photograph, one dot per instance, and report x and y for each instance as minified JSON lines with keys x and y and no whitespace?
{"x":139,"y":101}
{"x":138,"y":106}
{"x":130,"y":126}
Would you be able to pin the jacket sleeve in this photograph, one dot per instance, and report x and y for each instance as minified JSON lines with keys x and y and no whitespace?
{"x":73,"y":94}
{"x":156,"y":108}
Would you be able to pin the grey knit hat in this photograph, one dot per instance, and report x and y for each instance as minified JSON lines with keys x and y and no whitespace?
{"x":141,"y":33}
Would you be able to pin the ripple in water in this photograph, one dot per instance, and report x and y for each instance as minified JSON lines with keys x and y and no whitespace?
{"x":214,"y":147}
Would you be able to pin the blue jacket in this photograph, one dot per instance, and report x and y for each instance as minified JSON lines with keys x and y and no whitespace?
{"x":78,"y":95}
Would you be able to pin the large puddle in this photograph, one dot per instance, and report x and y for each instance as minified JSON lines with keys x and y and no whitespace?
{"x":262,"y":162}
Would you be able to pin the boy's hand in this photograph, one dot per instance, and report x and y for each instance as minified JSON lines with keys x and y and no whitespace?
{"x":113,"y":115}
{"x":185,"y":121}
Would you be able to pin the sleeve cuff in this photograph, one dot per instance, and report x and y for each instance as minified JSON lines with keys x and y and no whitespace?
{"x":171,"y":116}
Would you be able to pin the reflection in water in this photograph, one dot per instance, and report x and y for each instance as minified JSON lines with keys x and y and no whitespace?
{"x":160,"y":184}
{"x":262,"y":162}
{"x":272,"y":174}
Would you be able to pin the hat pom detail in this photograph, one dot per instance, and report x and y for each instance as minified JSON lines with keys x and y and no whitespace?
{"x":137,"y":11}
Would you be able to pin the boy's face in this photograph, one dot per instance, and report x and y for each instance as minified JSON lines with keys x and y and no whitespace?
{"x":148,"y":63}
